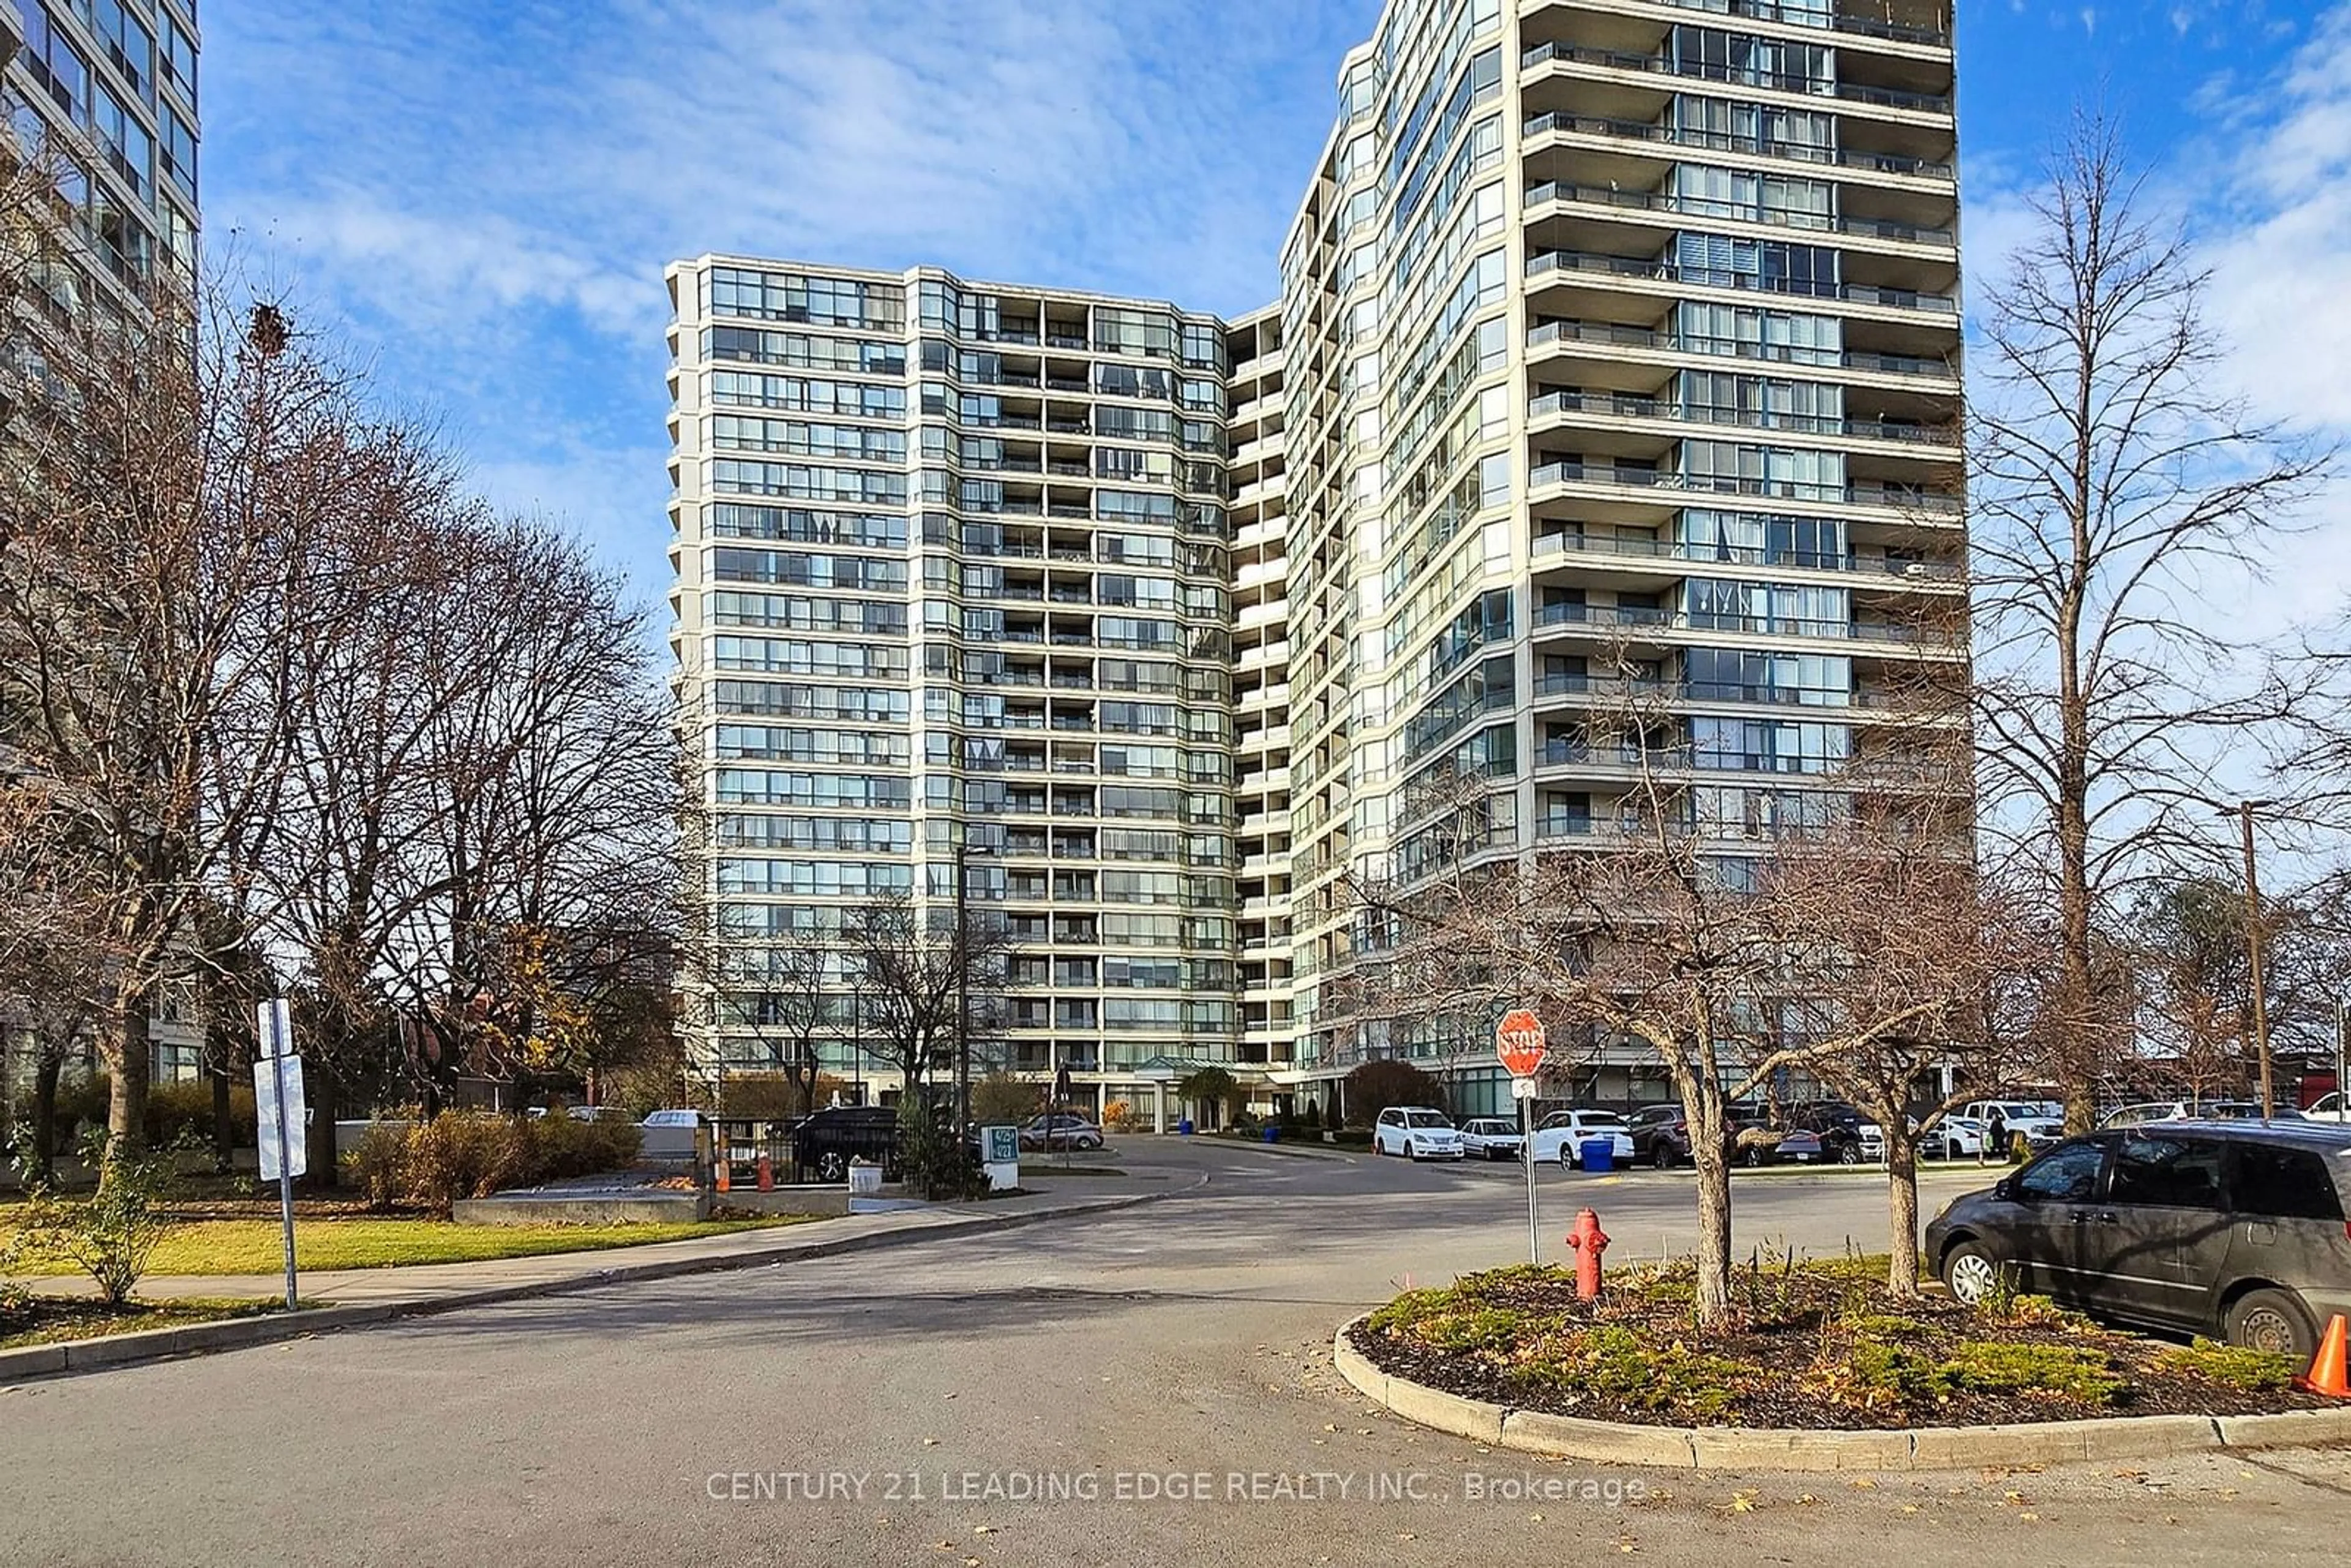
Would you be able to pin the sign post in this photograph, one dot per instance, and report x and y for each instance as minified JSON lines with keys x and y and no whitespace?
{"x":1062,"y":1087}
{"x":282,"y":1117}
{"x":1520,"y":1043}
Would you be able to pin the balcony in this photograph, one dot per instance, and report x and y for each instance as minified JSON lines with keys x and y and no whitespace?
{"x":1659,"y":270}
{"x":1606,"y":616}
{"x":1743,"y":555}
{"x":1721,"y":141}
{"x":1780,"y":353}
{"x":1860,"y":27}
{"x":1621,"y":405}
{"x":1770,"y":81}
{"x":1716,"y":210}
{"x":1901,"y":498}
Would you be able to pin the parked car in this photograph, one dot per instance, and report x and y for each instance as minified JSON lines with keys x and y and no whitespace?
{"x":596,"y":1112}
{"x":1811,"y":1133}
{"x":1559,"y":1136}
{"x":1836,"y":1127}
{"x":824,"y":1142}
{"x":2231,"y":1228}
{"x":1060,"y":1131}
{"x":1496,"y":1137}
{"x":2147,"y":1111}
{"x":1661,"y":1135}
{"x":1417,"y":1132}
{"x":1951,"y":1137}
{"x":2043,"y":1122}
{"x":670,"y":1134}
{"x":2329,"y":1108}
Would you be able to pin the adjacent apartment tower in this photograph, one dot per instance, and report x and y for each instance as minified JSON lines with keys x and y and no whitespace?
{"x":106,"y":90}
{"x":1617,"y":346}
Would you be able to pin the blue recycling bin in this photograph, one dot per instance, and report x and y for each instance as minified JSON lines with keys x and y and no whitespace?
{"x":1599,"y":1156}
{"x":1183,"y":1127}
{"x":1272,"y":1135}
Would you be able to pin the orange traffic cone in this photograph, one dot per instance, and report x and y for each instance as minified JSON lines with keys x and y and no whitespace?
{"x":2327,"y":1372}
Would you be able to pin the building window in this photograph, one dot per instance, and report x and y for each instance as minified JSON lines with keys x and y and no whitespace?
{"x":54,"y":63}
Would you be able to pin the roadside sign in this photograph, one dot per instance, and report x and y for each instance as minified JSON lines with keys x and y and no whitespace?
{"x":282,"y":1118}
{"x":1523,"y":1088}
{"x":278,"y":1088}
{"x":1002,"y":1143}
{"x":1519,"y":1041}
{"x":274,"y":1027}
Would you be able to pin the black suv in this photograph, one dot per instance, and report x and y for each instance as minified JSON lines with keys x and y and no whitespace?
{"x":1661,"y":1135}
{"x":2232,"y":1228}
{"x":823,"y":1144}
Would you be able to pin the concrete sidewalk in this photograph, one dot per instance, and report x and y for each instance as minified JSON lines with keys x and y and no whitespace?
{"x":353,"y":1297}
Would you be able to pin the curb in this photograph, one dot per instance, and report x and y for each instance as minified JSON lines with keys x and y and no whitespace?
{"x":1803,"y":1450}
{"x":237,"y":1333}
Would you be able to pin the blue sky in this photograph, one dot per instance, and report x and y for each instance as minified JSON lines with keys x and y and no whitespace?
{"x":480,"y":199}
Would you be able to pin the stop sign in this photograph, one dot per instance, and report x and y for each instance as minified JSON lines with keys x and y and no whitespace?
{"x":1518,"y":1041}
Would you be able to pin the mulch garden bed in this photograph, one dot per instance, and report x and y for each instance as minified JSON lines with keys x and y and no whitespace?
{"x":1821,"y":1345}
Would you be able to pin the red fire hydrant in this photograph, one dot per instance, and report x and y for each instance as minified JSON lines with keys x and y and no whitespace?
{"x":1587,"y":1241}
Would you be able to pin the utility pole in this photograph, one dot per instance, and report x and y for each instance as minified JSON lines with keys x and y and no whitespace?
{"x":2342,"y":1084}
{"x":2245,"y":811}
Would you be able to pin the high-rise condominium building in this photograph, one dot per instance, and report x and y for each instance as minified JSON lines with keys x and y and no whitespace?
{"x":1617,"y":350}
{"x":106,"y":92}
{"x":109,"y":88}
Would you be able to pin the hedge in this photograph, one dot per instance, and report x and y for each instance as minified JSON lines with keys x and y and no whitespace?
{"x":471,"y":1154}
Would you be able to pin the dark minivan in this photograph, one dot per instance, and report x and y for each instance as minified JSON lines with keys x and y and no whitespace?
{"x":2232,"y":1228}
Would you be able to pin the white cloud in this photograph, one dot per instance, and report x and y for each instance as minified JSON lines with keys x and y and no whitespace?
{"x":492,"y":193}
{"x":2278,"y":238}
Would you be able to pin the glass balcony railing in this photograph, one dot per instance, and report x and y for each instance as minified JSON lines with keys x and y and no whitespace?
{"x":1783,"y":353}
{"x":1665,"y":202}
{"x":1615,"y":617}
{"x":1619,"y":406}
{"x":1901,"y":496}
{"x":1658,"y":269}
{"x":1815,"y":16}
{"x":1723,"y":141}
{"x":1741,"y":76}
{"x":1742,"y":555}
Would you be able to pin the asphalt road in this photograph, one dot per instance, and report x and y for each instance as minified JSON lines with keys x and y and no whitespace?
{"x":1151,"y":1386}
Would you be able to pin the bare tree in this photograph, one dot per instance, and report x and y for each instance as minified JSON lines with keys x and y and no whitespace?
{"x":2112,"y":485}
{"x":1703,"y":923}
{"x":926,"y":979}
{"x":173,"y":483}
{"x":787,"y":993}
{"x":541,"y":895}
{"x":1885,"y":922}
{"x":52,"y":959}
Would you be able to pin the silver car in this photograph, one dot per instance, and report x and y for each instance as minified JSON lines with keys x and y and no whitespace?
{"x":1492,"y":1137}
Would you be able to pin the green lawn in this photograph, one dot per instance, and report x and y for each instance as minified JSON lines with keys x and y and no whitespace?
{"x":255,"y":1245}
{"x":50,"y":1320}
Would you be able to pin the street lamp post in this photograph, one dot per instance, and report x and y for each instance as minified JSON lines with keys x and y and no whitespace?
{"x":962,"y":950}
{"x":2243,"y":811}
{"x":857,"y":1039}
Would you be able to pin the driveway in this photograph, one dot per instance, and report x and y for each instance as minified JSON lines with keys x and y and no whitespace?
{"x":1147,"y":1387}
